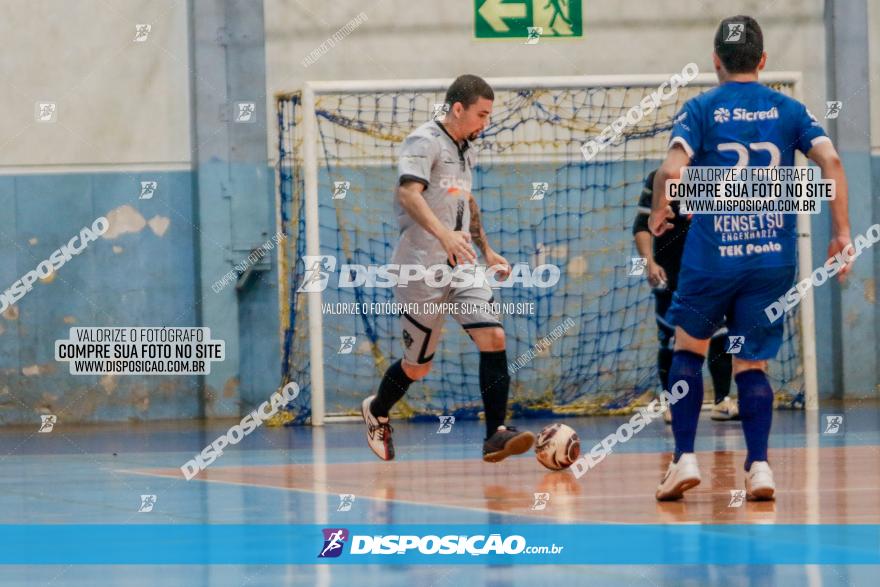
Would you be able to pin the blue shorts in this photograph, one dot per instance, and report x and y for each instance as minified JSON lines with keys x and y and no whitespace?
{"x":703,"y":299}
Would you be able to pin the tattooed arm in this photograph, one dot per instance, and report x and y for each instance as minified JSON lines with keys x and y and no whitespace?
{"x":478,"y":237}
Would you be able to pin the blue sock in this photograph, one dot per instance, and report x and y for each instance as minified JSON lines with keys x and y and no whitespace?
{"x":756,"y":412}
{"x":688,"y":367}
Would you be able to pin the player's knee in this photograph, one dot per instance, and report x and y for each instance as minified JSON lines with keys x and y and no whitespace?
{"x":496,"y":339}
{"x":416,"y":371}
{"x":686,"y":342}
{"x":740,"y":365}
{"x":489,"y":339}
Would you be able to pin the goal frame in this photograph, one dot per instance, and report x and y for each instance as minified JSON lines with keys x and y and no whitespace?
{"x":312,"y":89}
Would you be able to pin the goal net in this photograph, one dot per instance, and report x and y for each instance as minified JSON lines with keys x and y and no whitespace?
{"x":586,"y":345}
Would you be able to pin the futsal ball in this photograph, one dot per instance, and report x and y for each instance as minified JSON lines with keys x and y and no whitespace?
{"x":558,"y":446}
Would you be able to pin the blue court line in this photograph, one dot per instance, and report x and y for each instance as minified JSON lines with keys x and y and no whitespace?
{"x":654,"y":544}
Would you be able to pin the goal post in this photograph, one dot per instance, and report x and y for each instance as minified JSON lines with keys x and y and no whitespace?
{"x":313,"y":248}
{"x":346,"y":132}
{"x":805,"y":269}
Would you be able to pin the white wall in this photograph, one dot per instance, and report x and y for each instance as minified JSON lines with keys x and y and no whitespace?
{"x":118,"y":102}
{"x":432,"y":38}
{"x":121,"y":102}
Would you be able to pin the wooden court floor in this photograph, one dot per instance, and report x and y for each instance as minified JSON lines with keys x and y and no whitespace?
{"x":831,"y":485}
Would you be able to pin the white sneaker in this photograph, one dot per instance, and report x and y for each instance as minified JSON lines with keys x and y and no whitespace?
{"x":680,"y":476}
{"x":378,"y":432}
{"x":760,"y":485}
{"x":726,"y":409}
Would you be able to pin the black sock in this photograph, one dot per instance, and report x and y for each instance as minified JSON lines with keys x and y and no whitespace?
{"x":394,"y":385}
{"x":664,"y":361}
{"x":720,"y":367}
{"x":494,"y":386}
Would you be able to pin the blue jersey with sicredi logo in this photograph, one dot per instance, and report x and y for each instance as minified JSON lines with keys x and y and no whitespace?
{"x":738,"y":124}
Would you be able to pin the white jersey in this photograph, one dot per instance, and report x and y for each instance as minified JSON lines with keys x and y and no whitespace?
{"x":431,"y":157}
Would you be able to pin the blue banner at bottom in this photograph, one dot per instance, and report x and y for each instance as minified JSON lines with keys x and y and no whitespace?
{"x":440,"y":544}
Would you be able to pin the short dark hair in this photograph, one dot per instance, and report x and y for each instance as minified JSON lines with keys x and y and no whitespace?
{"x":467,"y":89}
{"x":743,"y":53}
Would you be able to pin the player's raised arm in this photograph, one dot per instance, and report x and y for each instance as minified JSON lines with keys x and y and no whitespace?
{"x":825,"y":156}
{"x":455,"y":243}
{"x":661,"y":211}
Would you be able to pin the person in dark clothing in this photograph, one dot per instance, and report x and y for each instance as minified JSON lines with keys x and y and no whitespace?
{"x":663,"y":256}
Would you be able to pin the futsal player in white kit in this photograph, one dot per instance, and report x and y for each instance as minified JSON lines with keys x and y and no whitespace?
{"x":439,"y":225}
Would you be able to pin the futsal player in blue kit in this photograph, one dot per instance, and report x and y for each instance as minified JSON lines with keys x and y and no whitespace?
{"x":738,"y":123}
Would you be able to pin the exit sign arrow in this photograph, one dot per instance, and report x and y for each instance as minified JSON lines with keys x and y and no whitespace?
{"x":495,"y":11}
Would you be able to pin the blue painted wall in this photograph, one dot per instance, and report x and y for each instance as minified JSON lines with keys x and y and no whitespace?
{"x":143,"y":277}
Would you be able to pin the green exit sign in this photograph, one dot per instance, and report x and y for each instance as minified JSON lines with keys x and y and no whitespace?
{"x":527,"y":19}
